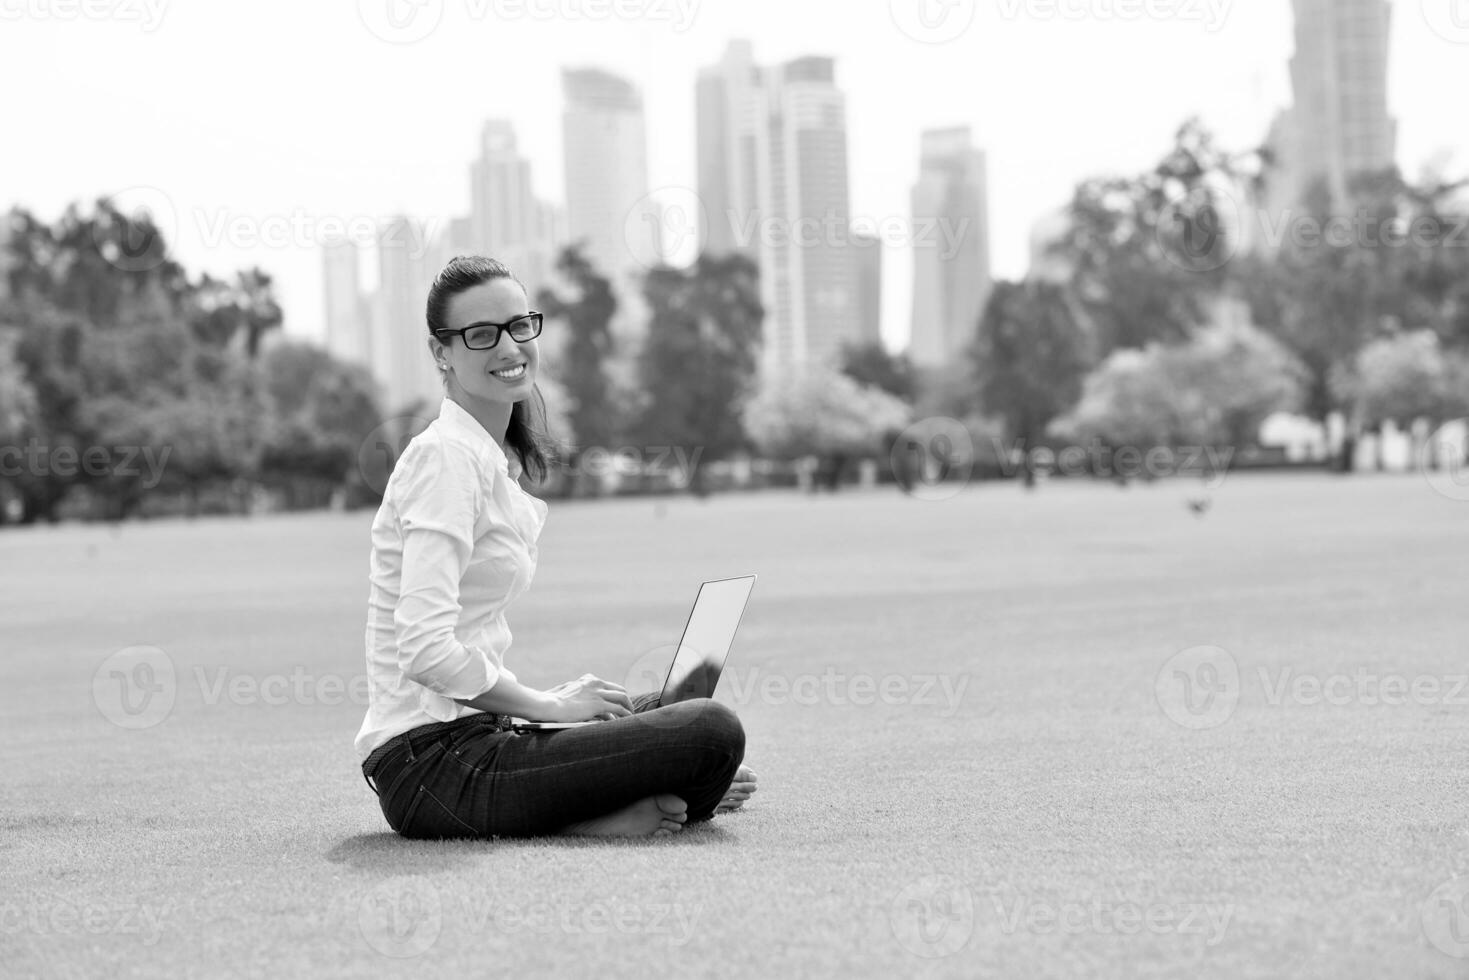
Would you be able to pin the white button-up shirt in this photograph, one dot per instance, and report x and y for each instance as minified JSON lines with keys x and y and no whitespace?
{"x":453,"y":544}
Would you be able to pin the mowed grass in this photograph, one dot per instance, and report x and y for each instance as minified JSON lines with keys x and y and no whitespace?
{"x":953,"y":706}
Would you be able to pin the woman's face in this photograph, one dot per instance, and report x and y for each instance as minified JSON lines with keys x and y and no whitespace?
{"x":496,"y":301}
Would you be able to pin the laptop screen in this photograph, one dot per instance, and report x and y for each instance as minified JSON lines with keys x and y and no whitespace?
{"x":706,"y":639}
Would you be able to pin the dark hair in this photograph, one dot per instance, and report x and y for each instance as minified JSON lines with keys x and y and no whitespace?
{"x":464,"y":272}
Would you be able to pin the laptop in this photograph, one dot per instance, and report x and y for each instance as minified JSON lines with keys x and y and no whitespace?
{"x":702,"y":651}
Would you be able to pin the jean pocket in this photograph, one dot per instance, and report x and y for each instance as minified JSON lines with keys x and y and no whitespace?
{"x":429,"y":818}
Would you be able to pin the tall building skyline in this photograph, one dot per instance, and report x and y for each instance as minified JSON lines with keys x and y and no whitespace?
{"x":773,"y":178}
{"x":951,"y":249}
{"x":869,"y":287}
{"x":1338,"y":125}
{"x":605,"y":147}
{"x":406,"y":264}
{"x":733,"y":150}
{"x":812,"y":266}
{"x":348,"y":316}
{"x":385,"y":330}
{"x":507,"y":220}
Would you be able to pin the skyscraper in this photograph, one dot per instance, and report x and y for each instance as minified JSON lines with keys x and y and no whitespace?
{"x":951,"y":252}
{"x":348,"y":321}
{"x":605,"y":143}
{"x":507,"y":221}
{"x":400,"y":355}
{"x":1339,"y":125}
{"x":732,"y":120}
{"x":808,"y":260}
{"x":772,"y":146}
{"x":501,"y":201}
{"x":868,"y":249}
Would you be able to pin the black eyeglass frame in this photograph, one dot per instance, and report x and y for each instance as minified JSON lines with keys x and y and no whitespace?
{"x":535,"y":316}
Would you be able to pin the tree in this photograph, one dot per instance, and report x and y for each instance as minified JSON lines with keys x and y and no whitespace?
{"x":823,"y":413}
{"x":1130,"y":400}
{"x":1345,"y":274}
{"x":558,"y":414}
{"x":1029,"y":356}
{"x":870,"y":364}
{"x":1435,"y":257}
{"x":1215,"y":390}
{"x":1401,"y":379}
{"x":318,"y":410}
{"x":17,"y":412}
{"x":223,"y":314}
{"x":122,"y":352}
{"x":1148,"y":250}
{"x":17,"y":397}
{"x":105,"y":265}
{"x":588,"y":310}
{"x":698,"y":361}
{"x":1398,"y":379}
{"x":1324,"y":300}
{"x":49,"y":350}
{"x":1235,"y":376}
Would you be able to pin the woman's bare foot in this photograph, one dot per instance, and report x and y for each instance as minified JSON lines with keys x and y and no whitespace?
{"x":739,"y":791}
{"x":656,"y":816}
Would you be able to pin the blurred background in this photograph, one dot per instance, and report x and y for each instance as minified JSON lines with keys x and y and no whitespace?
{"x":907,"y":242}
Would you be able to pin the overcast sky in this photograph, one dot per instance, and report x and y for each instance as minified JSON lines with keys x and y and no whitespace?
{"x":283,"y":117}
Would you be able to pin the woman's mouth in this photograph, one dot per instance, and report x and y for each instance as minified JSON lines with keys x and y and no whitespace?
{"x":510,"y":374}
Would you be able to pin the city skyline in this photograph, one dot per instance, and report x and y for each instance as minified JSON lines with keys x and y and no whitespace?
{"x":269,"y":163}
{"x":951,"y":272}
{"x":773,"y":166}
{"x":1339,"y":123}
{"x":604,"y":143}
{"x":772,"y":150}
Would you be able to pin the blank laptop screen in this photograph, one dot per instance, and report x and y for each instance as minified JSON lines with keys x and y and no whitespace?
{"x":707,"y":639}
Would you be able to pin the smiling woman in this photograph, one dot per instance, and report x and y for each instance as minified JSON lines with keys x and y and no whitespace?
{"x":453,"y":545}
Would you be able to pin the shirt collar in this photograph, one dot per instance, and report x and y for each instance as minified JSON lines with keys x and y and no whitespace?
{"x":454,"y":415}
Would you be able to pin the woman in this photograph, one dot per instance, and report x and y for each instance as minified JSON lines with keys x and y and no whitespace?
{"x":453,"y":544}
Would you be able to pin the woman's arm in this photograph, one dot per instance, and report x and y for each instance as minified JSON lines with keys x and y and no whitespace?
{"x":583,"y":699}
{"x":427,"y":613}
{"x":430,"y":654}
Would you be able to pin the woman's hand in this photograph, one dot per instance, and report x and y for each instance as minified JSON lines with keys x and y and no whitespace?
{"x":588,"y":698}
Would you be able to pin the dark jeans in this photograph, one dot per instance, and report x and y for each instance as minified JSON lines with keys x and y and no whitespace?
{"x":472,"y":778}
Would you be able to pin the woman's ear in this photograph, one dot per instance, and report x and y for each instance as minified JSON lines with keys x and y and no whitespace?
{"x":438,"y":351}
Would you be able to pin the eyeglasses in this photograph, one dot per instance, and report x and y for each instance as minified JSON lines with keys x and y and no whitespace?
{"x":484,"y":336}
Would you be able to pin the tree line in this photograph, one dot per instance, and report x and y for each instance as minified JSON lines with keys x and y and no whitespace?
{"x":1185,"y":311}
{"x":113,"y":356}
{"x":1173,"y":312}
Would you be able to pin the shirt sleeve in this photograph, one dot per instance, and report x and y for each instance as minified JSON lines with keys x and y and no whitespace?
{"x":436,"y":514}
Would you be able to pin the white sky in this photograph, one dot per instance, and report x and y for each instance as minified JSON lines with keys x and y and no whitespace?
{"x":283,"y":115}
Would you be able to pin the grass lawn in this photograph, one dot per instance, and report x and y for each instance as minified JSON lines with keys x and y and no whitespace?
{"x":1081,"y":732}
